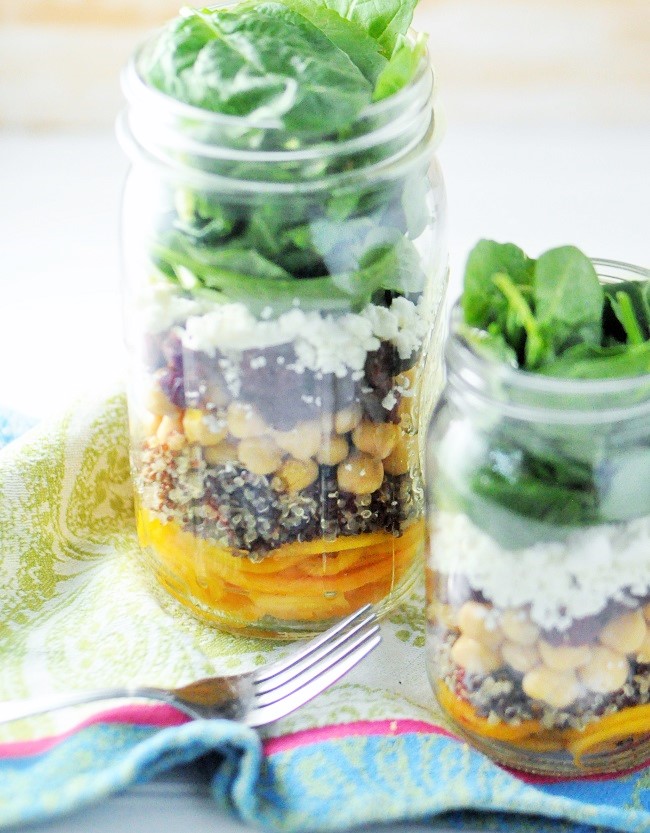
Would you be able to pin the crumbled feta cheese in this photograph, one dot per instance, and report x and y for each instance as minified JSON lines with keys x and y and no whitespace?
{"x":389,"y":401}
{"x":560,"y":580}
{"x":160,"y":305}
{"x":323,"y":343}
{"x":402,"y":324}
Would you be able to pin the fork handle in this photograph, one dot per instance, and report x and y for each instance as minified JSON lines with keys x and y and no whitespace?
{"x":12,"y":710}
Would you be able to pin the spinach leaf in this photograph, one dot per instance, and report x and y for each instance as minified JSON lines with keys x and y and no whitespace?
{"x":555,"y":318}
{"x":521,"y":315}
{"x":629,"y":301}
{"x":527,"y":495}
{"x":568,"y":298}
{"x":239,"y":274}
{"x":590,"y":361}
{"x":347,"y":35}
{"x":624,"y":309}
{"x":482,"y":301}
{"x":267,"y":62}
{"x":395,"y":267}
{"x":490,"y":345}
{"x":401,"y":68}
{"x":384,"y":20}
{"x":173,"y":53}
{"x":208,"y":262}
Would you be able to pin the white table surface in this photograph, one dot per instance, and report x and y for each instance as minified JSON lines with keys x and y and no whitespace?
{"x":60,"y":332}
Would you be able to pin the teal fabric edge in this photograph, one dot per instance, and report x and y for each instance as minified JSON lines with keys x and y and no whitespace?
{"x":327,"y":786}
{"x":13,"y":424}
{"x":104,"y":759}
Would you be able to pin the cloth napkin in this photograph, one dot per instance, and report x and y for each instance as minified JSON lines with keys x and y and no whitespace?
{"x":77,"y":611}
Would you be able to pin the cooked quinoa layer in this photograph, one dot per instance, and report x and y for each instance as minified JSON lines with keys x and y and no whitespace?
{"x":244,"y":511}
{"x":499,"y":696}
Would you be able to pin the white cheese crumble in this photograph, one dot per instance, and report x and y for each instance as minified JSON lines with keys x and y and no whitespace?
{"x":323,"y":343}
{"x":402,"y":324}
{"x":159,"y":306}
{"x":389,"y":401}
{"x":561,"y":581}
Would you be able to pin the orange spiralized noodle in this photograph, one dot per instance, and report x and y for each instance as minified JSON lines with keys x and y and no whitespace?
{"x":314,"y":580}
{"x":603,"y":735}
{"x":464,"y":714}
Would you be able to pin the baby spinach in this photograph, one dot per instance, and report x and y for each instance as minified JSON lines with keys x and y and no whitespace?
{"x":553,"y":313}
{"x":265,"y":61}
{"x":401,"y":68}
{"x":568,"y":299}
{"x":309,"y":67}
{"x":553,"y":317}
{"x":482,"y":301}
{"x":362,"y":49}
{"x":384,"y":20}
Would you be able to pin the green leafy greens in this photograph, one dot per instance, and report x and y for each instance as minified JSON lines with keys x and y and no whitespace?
{"x":310,"y":65}
{"x":308,"y":68}
{"x":553,"y":317}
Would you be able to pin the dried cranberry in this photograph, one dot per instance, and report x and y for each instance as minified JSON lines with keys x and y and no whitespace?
{"x":171,"y":382}
{"x":284,"y":397}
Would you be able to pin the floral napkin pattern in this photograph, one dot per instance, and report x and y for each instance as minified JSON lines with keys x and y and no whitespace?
{"x":78,"y":611}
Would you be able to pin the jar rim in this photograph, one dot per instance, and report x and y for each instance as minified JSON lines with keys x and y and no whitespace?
{"x":169,"y":133}
{"x":589,"y":397}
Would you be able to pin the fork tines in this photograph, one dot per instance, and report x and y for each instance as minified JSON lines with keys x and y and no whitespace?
{"x":284,"y":686}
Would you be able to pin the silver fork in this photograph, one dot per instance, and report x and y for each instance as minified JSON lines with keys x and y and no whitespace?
{"x":254,"y":698}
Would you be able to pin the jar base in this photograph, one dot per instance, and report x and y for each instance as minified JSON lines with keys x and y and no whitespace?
{"x":556,"y":753}
{"x":169,"y":589}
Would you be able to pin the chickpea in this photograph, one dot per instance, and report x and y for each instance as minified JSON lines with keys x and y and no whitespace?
{"x":606,"y":671}
{"x":360,"y":473}
{"x":474,"y":657}
{"x":150,"y":424}
{"x":170,"y":432}
{"x":205,"y":429}
{"x":397,"y":461}
{"x":296,"y":475}
{"x":479,"y":621}
{"x":302,"y":441}
{"x":347,"y":419}
{"x":564,"y":657}
{"x":625,"y":633}
{"x":518,"y":628}
{"x":376,"y":438}
{"x":244,"y":422}
{"x":334,"y":449}
{"x":219,"y":455}
{"x":557,"y":688}
{"x":522,"y":658}
{"x":157,"y":401}
{"x":260,"y":455}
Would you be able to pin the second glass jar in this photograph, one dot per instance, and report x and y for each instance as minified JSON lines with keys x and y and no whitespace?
{"x":283,"y":296}
{"x":538,"y":576}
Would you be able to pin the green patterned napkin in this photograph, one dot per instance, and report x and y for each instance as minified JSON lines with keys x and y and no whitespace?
{"x":78,"y":611}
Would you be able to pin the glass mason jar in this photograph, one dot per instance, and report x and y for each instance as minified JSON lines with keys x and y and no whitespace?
{"x":538,"y":564}
{"x":276,"y":388}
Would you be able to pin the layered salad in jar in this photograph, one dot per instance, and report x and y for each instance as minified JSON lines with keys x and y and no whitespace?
{"x":280,"y":313}
{"x":539,"y":564}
